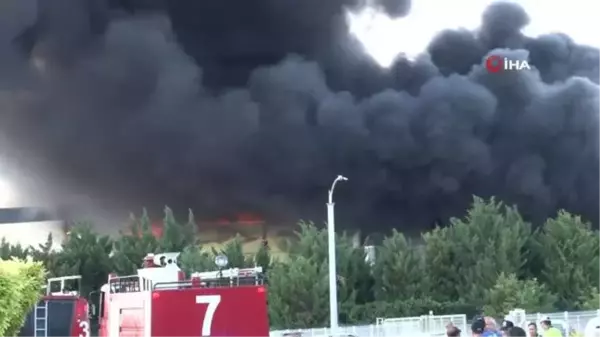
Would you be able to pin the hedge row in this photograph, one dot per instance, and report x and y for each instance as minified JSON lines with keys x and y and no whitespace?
{"x":21,"y":284}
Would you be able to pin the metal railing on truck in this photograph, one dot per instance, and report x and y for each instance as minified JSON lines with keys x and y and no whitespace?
{"x":233,"y":277}
{"x":229,"y":278}
{"x":128,"y":284}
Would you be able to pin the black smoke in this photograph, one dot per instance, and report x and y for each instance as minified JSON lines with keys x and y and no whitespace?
{"x":256,"y":105}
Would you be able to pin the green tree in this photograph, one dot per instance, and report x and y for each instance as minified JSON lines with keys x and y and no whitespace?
{"x":591,"y":302}
{"x":262,"y":257}
{"x":568,"y":252}
{"x":234,"y":251}
{"x":510,"y":293}
{"x":86,"y":253}
{"x":464,"y":259}
{"x":195,"y":259}
{"x":308,"y":241}
{"x":176,"y":236}
{"x":399,"y":269}
{"x":353,"y":272}
{"x":355,"y":280}
{"x":8,"y":250}
{"x":46,"y":254}
{"x":131,"y":247}
{"x":190,"y":229}
{"x":298,"y":293}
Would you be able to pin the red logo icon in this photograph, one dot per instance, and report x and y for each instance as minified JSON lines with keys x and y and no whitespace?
{"x":494,"y":63}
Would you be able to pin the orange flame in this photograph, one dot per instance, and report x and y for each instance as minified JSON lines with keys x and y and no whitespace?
{"x":157,"y":229}
{"x":243,"y":219}
{"x":249,"y":219}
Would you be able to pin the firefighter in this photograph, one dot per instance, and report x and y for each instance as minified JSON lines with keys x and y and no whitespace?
{"x":548,"y":329}
{"x":149,"y":261}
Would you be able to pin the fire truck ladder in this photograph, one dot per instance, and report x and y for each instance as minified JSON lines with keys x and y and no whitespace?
{"x":40,"y":320}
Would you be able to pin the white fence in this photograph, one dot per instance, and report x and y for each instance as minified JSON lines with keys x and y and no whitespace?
{"x":578,"y":323}
{"x":435,"y":325}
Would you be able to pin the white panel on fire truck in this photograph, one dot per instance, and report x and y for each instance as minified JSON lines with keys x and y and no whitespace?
{"x":64,"y":293}
{"x":168,"y":273}
{"x":229,"y":273}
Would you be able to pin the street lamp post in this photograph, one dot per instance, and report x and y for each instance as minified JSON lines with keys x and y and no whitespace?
{"x":333,"y":306}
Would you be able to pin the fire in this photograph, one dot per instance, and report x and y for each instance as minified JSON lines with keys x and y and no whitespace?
{"x":249,"y":219}
{"x":157,"y":229}
{"x":239,"y":219}
{"x":244,"y":219}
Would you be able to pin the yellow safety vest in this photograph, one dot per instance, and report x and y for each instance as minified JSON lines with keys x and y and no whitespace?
{"x":552,"y":332}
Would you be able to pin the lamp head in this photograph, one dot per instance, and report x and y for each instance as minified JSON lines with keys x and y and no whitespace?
{"x":221,"y":261}
{"x":340,"y":177}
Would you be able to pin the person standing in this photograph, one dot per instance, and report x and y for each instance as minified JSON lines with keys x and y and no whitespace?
{"x":548,"y":330}
{"x":506,"y":326}
{"x":453,"y":331}
{"x":490,"y":328}
{"x":478,"y":327}
{"x":484,"y":327}
{"x":532,"y":330}
{"x":516,"y":331}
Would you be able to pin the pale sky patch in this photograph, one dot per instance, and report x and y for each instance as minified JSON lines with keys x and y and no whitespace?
{"x":385,"y":38}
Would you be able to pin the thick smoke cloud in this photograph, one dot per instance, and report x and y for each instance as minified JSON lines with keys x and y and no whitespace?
{"x":256,"y":106}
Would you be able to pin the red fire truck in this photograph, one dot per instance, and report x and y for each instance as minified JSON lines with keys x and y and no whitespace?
{"x":60,"y":312}
{"x":161,"y":301}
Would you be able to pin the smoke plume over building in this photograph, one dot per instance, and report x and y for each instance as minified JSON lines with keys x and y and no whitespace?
{"x":256,"y":105}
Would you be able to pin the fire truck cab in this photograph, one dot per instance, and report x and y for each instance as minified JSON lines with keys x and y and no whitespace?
{"x":160,"y":301}
{"x":60,"y":312}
